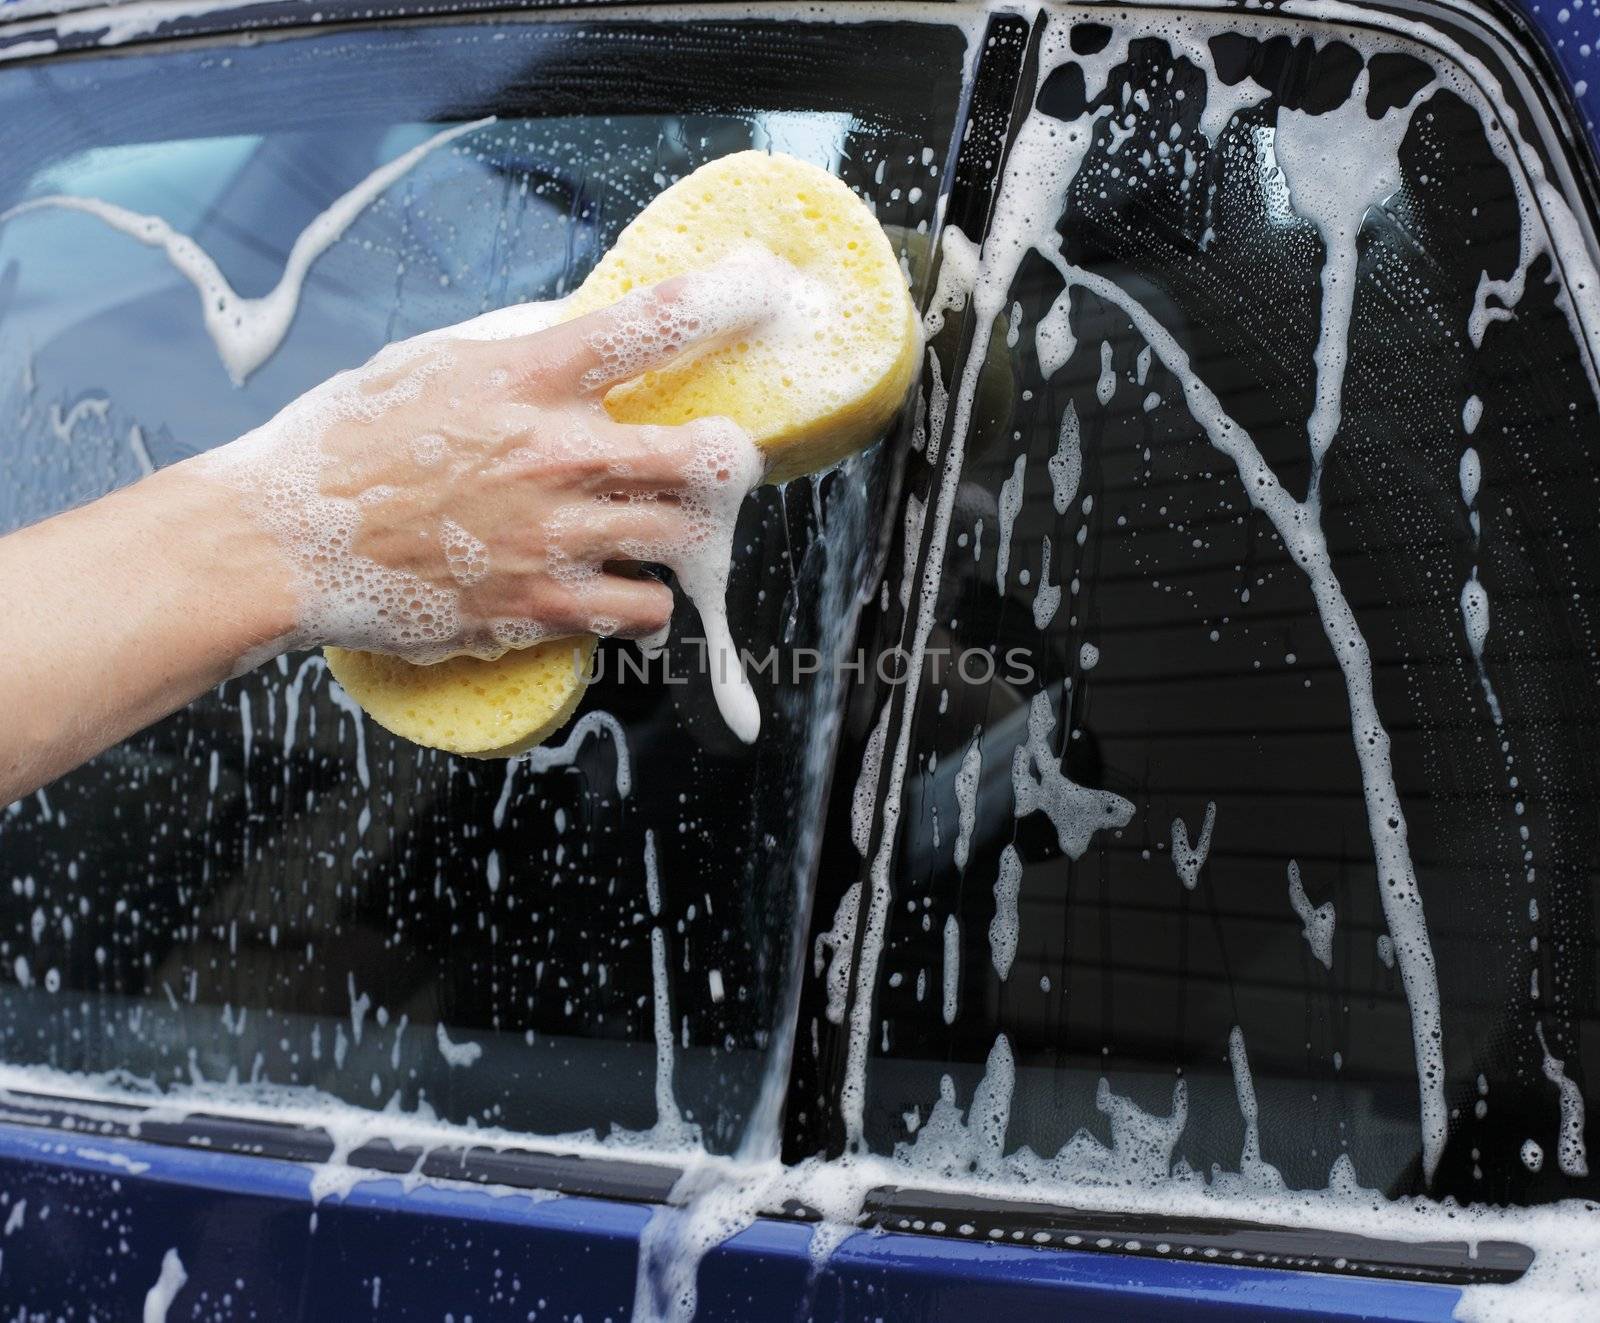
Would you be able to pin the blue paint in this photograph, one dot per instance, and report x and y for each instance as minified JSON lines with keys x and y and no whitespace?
{"x":90,"y":1241}
{"x":1572,"y":32}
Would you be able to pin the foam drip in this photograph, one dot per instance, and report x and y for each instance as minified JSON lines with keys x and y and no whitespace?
{"x":1047,"y":596}
{"x":1066,"y":465}
{"x":951,"y":981}
{"x":1338,"y":165}
{"x":967,"y":779}
{"x":1571,"y":1152}
{"x":158,"y":1299}
{"x":1041,"y":786}
{"x":1010,"y":507}
{"x":671,"y":1130}
{"x":1005,"y":926}
{"x":546,"y":756}
{"x":1317,"y":920}
{"x":1188,"y":859}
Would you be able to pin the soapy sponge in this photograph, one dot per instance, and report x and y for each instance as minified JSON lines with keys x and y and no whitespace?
{"x":804,"y":409}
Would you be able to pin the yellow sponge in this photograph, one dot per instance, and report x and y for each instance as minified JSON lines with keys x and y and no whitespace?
{"x":805,"y":411}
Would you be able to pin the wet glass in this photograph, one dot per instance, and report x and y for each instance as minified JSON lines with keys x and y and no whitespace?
{"x":1209,"y":932}
{"x":267,"y":890}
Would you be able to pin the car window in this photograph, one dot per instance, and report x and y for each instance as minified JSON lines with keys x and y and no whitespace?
{"x":1238,"y":834}
{"x":267,"y":891}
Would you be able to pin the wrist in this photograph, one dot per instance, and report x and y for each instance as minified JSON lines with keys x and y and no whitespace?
{"x":236,"y":573}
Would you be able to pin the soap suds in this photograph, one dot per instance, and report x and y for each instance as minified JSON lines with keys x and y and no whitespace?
{"x":1047,"y":596}
{"x":1010,"y":507}
{"x":456,"y":1054}
{"x":864,"y":799}
{"x":1571,"y":1153}
{"x":952,"y":969}
{"x":158,"y":1299}
{"x":1066,"y":465}
{"x":1005,"y":926}
{"x":545,"y":756}
{"x":1188,"y":859}
{"x":839,"y":941}
{"x":1317,"y":921}
{"x":966,"y":796}
{"x":1338,"y":165}
{"x":1041,"y":786}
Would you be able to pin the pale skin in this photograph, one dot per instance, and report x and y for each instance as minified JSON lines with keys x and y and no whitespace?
{"x":126,"y":609}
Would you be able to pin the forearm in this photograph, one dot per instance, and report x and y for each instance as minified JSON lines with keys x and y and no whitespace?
{"x":124,"y":610}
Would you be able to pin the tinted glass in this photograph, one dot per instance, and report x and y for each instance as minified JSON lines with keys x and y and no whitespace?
{"x":266,"y":889}
{"x":1142,"y":868}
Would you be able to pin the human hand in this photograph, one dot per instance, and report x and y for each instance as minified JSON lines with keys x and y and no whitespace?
{"x":466,"y":492}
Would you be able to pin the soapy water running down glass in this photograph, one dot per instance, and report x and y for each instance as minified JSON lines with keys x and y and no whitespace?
{"x":463,"y":493}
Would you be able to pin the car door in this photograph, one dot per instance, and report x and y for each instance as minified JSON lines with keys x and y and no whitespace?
{"x":1057,"y":929}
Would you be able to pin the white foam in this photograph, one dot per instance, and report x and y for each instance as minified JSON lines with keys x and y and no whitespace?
{"x":1005,"y":926}
{"x":1066,"y":465}
{"x":672,"y":1130}
{"x":1190,"y":859}
{"x":1010,"y":506}
{"x":466,"y":555}
{"x":1252,"y":1166}
{"x":725,"y":471}
{"x":958,"y":268}
{"x":121,"y":1161}
{"x":158,"y":1299}
{"x":1053,"y":339}
{"x":1571,"y":1153}
{"x":65,"y":424}
{"x":456,"y":1054}
{"x":1338,"y":165}
{"x":967,"y":778}
{"x":952,"y":969}
{"x":1475,"y":615}
{"x":1317,"y":921}
{"x":1047,"y":596}
{"x":1041,"y":786}
{"x":1471,"y":476}
{"x":1223,"y":103}
{"x":864,"y":798}
{"x":1106,"y":386}
{"x":545,"y":756}
{"x":839,"y":940}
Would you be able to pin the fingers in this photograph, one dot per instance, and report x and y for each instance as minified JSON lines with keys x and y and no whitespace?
{"x":610,"y":604}
{"x":625,"y":530}
{"x":648,"y":328}
{"x":675,"y":460}
{"x":586,"y":455}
